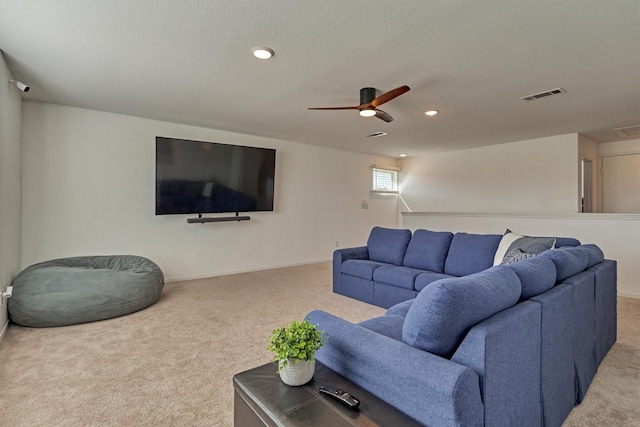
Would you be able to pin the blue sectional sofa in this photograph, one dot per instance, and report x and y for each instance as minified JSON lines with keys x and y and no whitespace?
{"x":467,"y":342}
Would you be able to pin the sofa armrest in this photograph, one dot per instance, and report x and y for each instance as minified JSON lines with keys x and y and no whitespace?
{"x":505,"y":352}
{"x":426,"y":387}
{"x":341,"y":255}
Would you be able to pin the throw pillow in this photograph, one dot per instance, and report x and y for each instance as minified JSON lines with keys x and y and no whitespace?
{"x":516,"y":255}
{"x":530,"y":245}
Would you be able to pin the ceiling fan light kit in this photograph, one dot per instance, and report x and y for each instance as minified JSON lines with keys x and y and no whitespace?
{"x":369,"y":103}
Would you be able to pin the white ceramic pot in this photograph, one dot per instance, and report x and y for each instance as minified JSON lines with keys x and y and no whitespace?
{"x":299,"y":373}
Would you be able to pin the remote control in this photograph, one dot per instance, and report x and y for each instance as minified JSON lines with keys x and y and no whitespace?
{"x":341,"y":395}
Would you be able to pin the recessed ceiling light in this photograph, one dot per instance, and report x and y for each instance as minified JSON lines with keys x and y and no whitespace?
{"x":262,"y":52}
{"x":403,"y":154}
{"x":431,"y":112}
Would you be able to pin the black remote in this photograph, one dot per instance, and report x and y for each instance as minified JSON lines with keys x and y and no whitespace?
{"x":341,"y":395}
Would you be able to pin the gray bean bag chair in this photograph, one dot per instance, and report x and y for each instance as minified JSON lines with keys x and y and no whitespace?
{"x":76,"y":290}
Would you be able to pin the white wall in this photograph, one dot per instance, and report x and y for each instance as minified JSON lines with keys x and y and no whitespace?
{"x":539,"y":175}
{"x":89,"y":182}
{"x":10,"y":186}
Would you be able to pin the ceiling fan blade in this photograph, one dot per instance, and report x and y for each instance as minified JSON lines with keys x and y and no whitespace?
{"x":388,"y":96}
{"x":355,"y":107}
{"x":383,"y":116}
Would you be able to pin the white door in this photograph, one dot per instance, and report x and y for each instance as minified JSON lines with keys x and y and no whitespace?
{"x":587,"y":180}
{"x":621,"y":184}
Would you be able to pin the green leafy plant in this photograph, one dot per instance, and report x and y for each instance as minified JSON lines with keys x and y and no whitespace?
{"x":298,"y":341}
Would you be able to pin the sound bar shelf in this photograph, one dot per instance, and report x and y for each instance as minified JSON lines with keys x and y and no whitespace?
{"x":202,"y":220}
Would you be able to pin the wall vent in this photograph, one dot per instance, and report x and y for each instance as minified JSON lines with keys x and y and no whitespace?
{"x":628,"y":131}
{"x":544,"y":94}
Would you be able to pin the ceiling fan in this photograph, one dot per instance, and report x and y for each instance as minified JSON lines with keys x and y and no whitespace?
{"x":369,"y":103}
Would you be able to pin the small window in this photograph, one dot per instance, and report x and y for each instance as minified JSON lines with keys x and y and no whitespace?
{"x":384,"y":180}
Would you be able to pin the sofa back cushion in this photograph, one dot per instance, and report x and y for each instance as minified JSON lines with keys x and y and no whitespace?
{"x":471,"y":253}
{"x":568,"y":261}
{"x":566,"y":241}
{"x":428,"y":250}
{"x":537,"y":275}
{"x":388,"y":244}
{"x":594,"y":254}
{"x":444,"y":311}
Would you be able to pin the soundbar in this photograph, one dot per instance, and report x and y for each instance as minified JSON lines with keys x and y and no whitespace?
{"x":201,"y":220}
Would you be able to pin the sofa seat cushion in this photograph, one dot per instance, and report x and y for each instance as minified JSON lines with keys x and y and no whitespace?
{"x":471,"y":253}
{"x":568,"y":261}
{"x":428,"y":250}
{"x":362,"y":268}
{"x":402,"y":277}
{"x":443,"y":312}
{"x":428,"y":277}
{"x":537,"y":275}
{"x":390,"y":326}
{"x":400,"y":309}
{"x":388,"y":245}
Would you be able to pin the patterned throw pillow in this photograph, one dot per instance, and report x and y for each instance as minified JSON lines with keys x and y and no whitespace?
{"x":516,"y":255}
{"x":531,"y":245}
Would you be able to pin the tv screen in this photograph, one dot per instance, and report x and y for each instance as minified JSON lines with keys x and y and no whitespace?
{"x":195,"y":177}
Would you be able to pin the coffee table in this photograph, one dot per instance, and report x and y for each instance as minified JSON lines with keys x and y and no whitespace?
{"x":262,"y":399}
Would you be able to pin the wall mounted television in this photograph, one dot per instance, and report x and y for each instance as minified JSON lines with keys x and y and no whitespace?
{"x":196,"y":177}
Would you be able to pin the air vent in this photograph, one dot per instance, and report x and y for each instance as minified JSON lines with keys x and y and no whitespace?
{"x":376,"y":134}
{"x":628,"y":131}
{"x":544,"y":94}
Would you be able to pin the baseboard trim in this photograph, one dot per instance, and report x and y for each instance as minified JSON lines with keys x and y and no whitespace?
{"x":628,"y":295}
{"x":4,"y":331}
{"x":250,"y":270}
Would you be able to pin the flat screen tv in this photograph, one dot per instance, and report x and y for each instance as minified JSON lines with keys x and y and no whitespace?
{"x":195,"y":177}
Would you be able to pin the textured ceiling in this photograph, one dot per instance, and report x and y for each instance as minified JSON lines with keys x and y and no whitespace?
{"x":190,"y":62}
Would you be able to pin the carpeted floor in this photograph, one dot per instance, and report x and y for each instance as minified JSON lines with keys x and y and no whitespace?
{"x":172,"y":364}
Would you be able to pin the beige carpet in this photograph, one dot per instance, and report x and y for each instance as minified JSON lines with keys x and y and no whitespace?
{"x":172,"y":364}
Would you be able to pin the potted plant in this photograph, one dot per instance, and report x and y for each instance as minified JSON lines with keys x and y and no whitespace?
{"x":294,"y":347}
